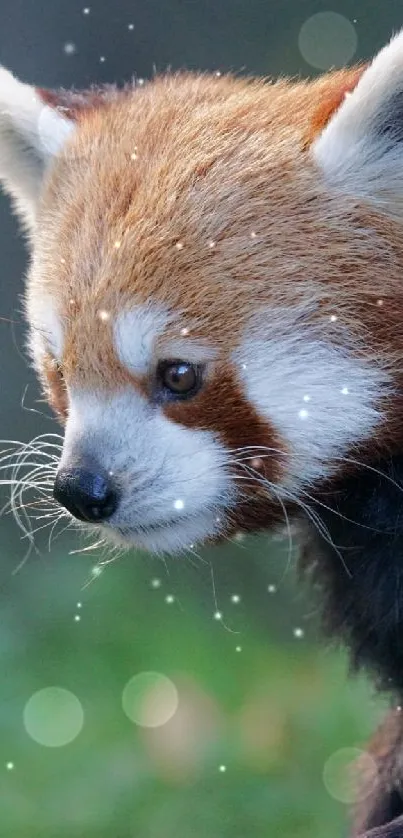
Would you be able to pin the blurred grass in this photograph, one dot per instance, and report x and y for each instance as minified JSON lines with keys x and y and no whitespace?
{"x":272,"y":713}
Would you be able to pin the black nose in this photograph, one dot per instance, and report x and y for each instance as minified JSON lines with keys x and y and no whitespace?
{"x":89,"y":496}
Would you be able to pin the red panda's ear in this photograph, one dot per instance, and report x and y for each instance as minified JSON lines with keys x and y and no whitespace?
{"x":31,"y":133}
{"x":360,"y":149}
{"x":34,"y":125}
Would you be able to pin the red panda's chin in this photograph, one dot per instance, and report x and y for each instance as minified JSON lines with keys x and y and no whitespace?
{"x":172,"y":537}
{"x":204,"y":528}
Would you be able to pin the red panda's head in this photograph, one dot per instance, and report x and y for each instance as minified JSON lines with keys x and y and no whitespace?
{"x":214,"y":296}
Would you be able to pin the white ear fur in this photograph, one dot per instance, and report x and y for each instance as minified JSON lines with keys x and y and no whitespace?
{"x":31,"y":132}
{"x":361,"y":149}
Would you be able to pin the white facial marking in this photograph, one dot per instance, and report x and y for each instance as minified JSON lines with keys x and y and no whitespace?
{"x":278,"y":370}
{"x":135,"y":334}
{"x":173,"y":479}
{"x":139,"y":340}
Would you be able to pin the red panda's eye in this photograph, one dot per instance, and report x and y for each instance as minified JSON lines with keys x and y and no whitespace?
{"x":179,"y":378}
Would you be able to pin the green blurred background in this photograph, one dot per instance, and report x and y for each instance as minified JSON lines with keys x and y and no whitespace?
{"x":242,"y":725}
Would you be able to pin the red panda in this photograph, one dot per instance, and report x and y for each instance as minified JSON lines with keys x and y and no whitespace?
{"x":215,"y":305}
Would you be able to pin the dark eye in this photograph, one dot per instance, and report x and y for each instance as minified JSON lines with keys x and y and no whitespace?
{"x":179,"y":378}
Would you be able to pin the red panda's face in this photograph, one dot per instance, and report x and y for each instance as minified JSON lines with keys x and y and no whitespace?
{"x":203,"y":305}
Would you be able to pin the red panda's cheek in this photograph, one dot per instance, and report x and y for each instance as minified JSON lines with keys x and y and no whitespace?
{"x":255,"y":450}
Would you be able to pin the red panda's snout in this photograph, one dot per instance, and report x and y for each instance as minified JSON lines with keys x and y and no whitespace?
{"x":171,"y":456}
{"x":87,"y":493}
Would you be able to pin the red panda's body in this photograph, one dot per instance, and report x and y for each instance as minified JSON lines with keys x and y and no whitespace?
{"x":215,"y":302}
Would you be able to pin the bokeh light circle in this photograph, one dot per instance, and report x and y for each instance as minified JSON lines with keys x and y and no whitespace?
{"x":150,"y":699}
{"x":327,"y":39}
{"x":53,"y":717}
{"x":350,"y":775}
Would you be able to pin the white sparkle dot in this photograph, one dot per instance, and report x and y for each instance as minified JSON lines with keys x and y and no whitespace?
{"x":179,"y":245}
{"x":272,"y":589}
{"x":63,"y":261}
{"x":244,"y":367}
{"x":86,"y":11}
{"x":131,"y":26}
{"x":140,"y":82}
{"x":211,"y":244}
{"x":104,"y":315}
{"x":117,"y":244}
{"x":155,"y":583}
{"x":298,"y":632}
{"x":239,"y":536}
{"x":72,"y":303}
{"x":235,"y":599}
{"x":77,"y":618}
{"x":379,"y":302}
{"x":398,"y":708}
{"x":253,"y":235}
{"x":333,"y":318}
{"x":344,"y":391}
{"x":238,"y":648}
{"x":185,"y":331}
{"x":70,"y":48}
{"x":217,"y":615}
{"x":96,"y":570}
{"x":102,"y":59}
{"x":218,"y":73}
{"x":218,"y":520}
{"x":303,"y":414}
{"x":169,"y":599}
{"x":10,"y":766}
{"x":79,"y":605}
{"x":134,"y":156}
{"x":179,"y":504}
{"x":256,"y":462}
{"x":307,"y":398}
{"x":223,"y":769}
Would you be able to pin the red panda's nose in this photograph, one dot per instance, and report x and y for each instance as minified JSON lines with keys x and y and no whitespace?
{"x":89,"y":496}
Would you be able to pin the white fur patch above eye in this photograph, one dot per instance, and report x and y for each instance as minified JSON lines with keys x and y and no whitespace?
{"x":321,"y":400}
{"x":140,"y":340}
{"x":135,"y":333}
